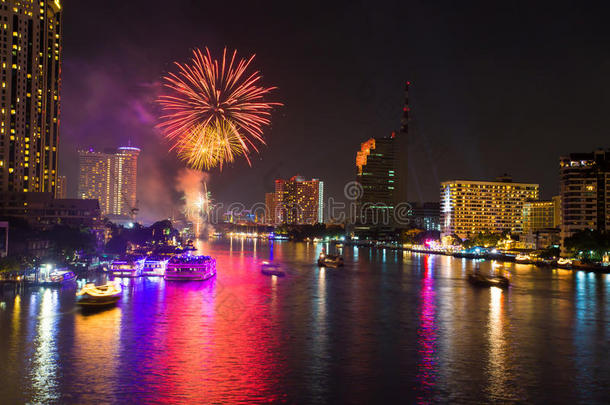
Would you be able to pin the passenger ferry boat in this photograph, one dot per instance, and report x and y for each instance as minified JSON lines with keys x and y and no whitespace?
{"x":155,"y":265}
{"x":186,"y":268}
{"x":128,"y":266}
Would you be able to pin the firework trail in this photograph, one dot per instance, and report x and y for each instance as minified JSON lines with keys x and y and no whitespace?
{"x":214,"y":110}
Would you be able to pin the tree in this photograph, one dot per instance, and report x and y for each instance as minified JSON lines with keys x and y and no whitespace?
{"x":588,"y":244}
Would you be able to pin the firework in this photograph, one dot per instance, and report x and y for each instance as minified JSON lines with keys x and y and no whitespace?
{"x":214,"y":110}
{"x":210,"y":146}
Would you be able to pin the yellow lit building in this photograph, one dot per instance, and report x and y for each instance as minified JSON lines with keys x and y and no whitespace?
{"x":538,"y":215}
{"x":469,"y":207}
{"x":30,"y":57}
{"x":299,"y":201}
{"x":111,"y":178}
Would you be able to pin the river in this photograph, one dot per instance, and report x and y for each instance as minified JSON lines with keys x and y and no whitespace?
{"x":390,"y":326}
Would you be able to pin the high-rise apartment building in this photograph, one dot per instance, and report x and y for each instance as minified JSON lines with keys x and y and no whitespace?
{"x":30,"y":58}
{"x":111,"y":178}
{"x":61,"y":189}
{"x":469,"y":207}
{"x":299,"y":201}
{"x":585,"y":192}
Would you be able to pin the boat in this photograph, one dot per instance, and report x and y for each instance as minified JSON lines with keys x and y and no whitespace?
{"x":62,"y":276}
{"x":128,"y":266}
{"x":481,"y":280}
{"x":154,"y":266}
{"x":272,"y":269}
{"x":187,"y":268}
{"x":325,"y":260}
{"x":99,"y":296}
{"x":524,"y":259}
{"x":53,"y":278}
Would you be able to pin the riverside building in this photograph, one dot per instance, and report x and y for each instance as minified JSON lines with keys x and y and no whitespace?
{"x":469,"y":207}
{"x":111,"y":178}
{"x":585,"y":192}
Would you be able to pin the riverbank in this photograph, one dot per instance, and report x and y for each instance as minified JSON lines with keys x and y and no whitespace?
{"x":498,"y":256}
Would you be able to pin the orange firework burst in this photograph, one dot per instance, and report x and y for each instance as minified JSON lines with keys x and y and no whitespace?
{"x":214,"y":110}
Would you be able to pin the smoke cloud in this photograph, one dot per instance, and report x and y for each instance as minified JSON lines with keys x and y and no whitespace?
{"x":189,"y":182}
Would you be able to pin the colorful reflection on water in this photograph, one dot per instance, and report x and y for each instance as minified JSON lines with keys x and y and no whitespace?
{"x":388,"y":327}
{"x":426,"y":376}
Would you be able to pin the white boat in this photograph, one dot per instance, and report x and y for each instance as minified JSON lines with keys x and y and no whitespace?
{"x":129,"y":266}
{"x":154,"y":266}
{"x":190,"y":268}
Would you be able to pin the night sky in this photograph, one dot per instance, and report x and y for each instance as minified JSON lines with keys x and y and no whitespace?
{"x":496,"y":87}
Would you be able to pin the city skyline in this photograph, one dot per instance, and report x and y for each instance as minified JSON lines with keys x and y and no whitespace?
{"x":493,"y":113}
{"x":275,"y":202}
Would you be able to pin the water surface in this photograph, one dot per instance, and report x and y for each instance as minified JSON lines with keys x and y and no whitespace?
{"x":389,"y":326}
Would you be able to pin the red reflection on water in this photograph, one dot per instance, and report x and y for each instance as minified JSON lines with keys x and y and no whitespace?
{"x":426,"y":336}
{"x":217,"y":344}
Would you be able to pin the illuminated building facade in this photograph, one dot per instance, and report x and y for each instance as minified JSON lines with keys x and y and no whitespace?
{"x":538,"y":215}
{"x":470,"y":207}
{"x":30,"y":58}
{"x":381,"y":165}
{"x":540,"y":224}
{"x":376,"y":172}
{"x":111,"y":178}
{"x":299,"y":201}
{"x":585,"y":192}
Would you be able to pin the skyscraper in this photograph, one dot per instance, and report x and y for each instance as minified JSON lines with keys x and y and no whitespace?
{"x":299,"y":201}
{"x":382,"y":168}
{"x":111,"y":178}
{"x":30,"y":57}
{"x":376,"y":173}
{"x":585,"y":192}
